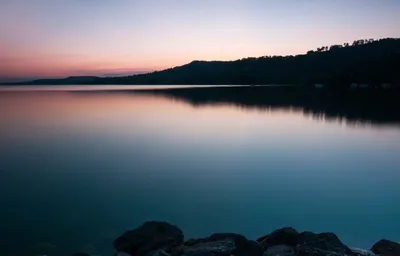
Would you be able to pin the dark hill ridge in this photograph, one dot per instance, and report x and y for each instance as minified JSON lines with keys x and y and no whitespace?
{"x":365,"y":61}
{"x":372,"y":62}
{"x":163,"y":239}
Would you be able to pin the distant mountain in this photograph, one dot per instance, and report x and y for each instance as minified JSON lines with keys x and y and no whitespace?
{"x":64,"y":81}
{"x":363,"y":61}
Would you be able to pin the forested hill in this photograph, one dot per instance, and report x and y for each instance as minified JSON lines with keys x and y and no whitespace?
{"x":363,"y":61}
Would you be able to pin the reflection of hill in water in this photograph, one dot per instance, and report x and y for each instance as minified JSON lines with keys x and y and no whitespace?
{"x":354,"y":107}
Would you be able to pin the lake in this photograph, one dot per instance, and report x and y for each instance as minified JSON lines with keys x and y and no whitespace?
{"x":78,"y":168}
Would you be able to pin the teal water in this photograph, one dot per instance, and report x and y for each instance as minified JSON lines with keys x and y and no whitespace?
{"x":76,"y":170}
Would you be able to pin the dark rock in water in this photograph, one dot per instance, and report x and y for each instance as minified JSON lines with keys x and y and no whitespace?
{"x":280,"y":250}
{"x":386,"y":248}
{"x":303,"y":251}
{"x":176,"y":251}
{"x":222,"y":245}
{"x":149,"y":237}
{"x":283,"y":236}
{"x":322,"y":244}
{"x":163,"y":239}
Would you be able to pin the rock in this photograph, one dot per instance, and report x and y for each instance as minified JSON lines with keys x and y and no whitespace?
{"x":149,"y":237}
{"x":303,"y":251}
{"x":322,"y":244}
{"x":222,"y":245}
{"x":386,"y":248}
{"x":280,"y":250}
{"x":283,"y":236}
{"x":361,"y":252}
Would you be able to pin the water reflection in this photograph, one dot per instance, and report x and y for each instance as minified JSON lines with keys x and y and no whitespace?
{"x":79,"y":168}
{"x":369,"y":108}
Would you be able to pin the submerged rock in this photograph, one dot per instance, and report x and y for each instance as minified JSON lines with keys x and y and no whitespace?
{"x":323,"y":244}
{"x":222,"y":245}
{"x":386,"y":248}
{"x":283,"y":236}
{"x":149,"y":237}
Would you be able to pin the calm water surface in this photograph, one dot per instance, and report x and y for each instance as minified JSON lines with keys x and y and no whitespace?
{"x":78,"y":169}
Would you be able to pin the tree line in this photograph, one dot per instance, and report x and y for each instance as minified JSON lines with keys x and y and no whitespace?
{"x":338,"y":46}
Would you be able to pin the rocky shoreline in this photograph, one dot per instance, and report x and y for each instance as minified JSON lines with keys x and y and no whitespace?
{"x":163,"y":239}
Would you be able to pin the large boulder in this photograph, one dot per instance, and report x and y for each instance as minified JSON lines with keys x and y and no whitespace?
{"x":283,"y":236}
{"x":386,"y":248}
{"x":151,"y":236}
{"x":222,"y":245}
{"x":322,"y":244}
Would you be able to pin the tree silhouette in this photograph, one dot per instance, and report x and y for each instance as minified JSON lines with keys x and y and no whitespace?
{"x":335,"y":47}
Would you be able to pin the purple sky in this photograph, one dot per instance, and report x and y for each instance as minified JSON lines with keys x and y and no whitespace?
{"x":57,"y":38}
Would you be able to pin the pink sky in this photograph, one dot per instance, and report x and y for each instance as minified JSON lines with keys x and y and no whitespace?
{"x":55,"y":38}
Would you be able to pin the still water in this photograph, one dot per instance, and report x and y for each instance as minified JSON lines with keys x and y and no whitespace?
{"x":78,"y":169}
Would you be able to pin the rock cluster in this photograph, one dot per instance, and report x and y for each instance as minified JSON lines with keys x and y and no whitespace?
{"x":164,"y":239}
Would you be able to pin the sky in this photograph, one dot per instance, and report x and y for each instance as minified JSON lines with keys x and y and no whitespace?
{"x":59,"y":38}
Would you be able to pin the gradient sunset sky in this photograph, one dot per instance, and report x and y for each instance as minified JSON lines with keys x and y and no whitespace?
{"x":58,"y":38}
